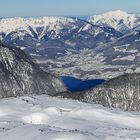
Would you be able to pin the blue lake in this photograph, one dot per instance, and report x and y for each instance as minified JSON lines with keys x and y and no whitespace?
{"x":74,"y":84}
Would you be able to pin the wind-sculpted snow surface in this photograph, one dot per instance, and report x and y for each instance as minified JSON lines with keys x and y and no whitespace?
{"x":19,"y":75}
{"x":121,"y":92}
{"x":49,"y":118}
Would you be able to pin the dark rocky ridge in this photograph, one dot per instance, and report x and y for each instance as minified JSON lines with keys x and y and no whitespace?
{"x":19,"y":75}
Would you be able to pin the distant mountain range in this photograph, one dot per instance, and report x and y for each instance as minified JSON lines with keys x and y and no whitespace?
{"x":119,"y":20}
{"x":72,"y":46}
{"x":53,"y":36}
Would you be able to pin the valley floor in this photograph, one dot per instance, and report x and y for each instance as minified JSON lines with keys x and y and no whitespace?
{"x":48,"y":118}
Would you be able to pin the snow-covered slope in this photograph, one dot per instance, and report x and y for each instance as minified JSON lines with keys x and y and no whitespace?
{"x":47,"y":118}
{"x":120,"y":92}
{"x":19,"y":75}
{"x":119,"y":20}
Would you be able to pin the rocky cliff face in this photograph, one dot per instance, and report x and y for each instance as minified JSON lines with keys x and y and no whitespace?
{"x":121,"y":92}
{"x":19,"y":75}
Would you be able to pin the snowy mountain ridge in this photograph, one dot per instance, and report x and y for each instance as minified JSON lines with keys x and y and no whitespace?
{"x":119,"y":20}
{"x":39,"y":36}
{"x":13,"y":24}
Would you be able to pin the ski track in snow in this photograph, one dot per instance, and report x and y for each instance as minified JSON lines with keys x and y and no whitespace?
{"x":43,"y":117}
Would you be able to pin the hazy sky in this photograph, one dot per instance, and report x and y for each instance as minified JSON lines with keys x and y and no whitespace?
{"x":10,"y":8}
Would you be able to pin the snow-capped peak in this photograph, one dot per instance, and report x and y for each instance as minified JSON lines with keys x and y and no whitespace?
{"x":118,"y":13}
{"x":12,"y":24}
{"x":8,"y":25}
{"x":119,"y":20}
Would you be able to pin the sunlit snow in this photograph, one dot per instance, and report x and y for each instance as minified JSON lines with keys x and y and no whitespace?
{"x":43,"y":117}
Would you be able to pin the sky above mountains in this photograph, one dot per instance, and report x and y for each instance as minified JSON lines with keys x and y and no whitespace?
{"x":26,"y":8}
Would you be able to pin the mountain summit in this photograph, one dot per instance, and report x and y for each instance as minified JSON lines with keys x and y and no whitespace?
{"x":118,"y":13}
{"x":119,"y":20}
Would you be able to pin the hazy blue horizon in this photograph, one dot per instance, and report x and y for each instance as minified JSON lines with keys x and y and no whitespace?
{"x":71,"y":8}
